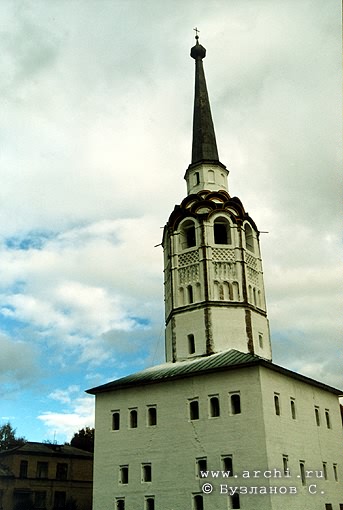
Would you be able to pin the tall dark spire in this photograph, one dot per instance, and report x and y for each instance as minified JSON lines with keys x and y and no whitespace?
{"x":204,"y":146}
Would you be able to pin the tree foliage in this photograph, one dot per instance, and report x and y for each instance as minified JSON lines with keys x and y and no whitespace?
{"x":8,"y":438}
{"x":84,"y":439}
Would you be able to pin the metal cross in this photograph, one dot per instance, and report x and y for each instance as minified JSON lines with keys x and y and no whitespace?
{"x":196,"y":32}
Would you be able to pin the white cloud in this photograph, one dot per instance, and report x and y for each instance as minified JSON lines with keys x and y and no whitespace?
{"x":78,"y":413}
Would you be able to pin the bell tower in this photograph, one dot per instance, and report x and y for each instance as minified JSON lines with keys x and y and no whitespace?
{"x":213,"y":279}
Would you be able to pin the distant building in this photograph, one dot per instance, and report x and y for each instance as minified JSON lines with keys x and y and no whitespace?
{"x":46,"y":476}
{"x":218,"y":426}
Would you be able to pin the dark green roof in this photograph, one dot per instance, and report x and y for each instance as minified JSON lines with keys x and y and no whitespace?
{"x":227,"y":360}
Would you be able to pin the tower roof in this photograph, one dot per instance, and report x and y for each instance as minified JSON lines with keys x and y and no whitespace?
{"x":204,"y":145}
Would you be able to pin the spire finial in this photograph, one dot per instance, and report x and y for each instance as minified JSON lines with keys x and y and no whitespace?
{"x":196,"y":32}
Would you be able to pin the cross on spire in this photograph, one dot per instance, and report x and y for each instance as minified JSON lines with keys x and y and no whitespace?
{"x":196,"y":32}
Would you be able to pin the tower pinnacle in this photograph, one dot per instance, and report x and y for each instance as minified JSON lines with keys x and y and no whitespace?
{"x":204,"y":146}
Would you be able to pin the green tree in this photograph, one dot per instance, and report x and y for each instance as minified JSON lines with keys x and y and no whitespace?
{"x":8,"y":438}
{"x":84,"y":439}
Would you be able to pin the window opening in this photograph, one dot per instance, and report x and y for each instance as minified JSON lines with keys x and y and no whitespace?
{"x":197,"y":177}
{"x":115,"y":420}
{"x":120,"y":504}
{"x":277,"y":405}
{"x":23,"y":469}
{"x":124,"y":474}
{"x":221,"y":232}
{"x":227,"y":465}
{"x":194,"y":410}
{"x":152,"y":416}
{"x":260,"y":340}
{"x":328,"y":506}
{"x":293,"y":412}
{"x":42,"y":470}
{"x":188,"y":237}
{"x":302,"y":472}
{"x":235,"y":404}
{"x":133,"y":419}
{"x":198,"y":502}
{"x":285,"y":464}
{"x":59,"y":500}
{"x":61,"y":471}
{"x":191,"y":344}
{"x":146,"y":472}
{"x":214,"y":407}
{"x":211,"y":176}
{"x":201,"y":466}
{"x":40,"y":499}
{"x":327,"y":418}
{"x":235,"y":502}
{"x":335,"y":472}
{"x":325,"y":471}
{"x":190,"y":294}
{"x":150,"y":504}
{"x":316,"y":413}
{"x":249,"y":238}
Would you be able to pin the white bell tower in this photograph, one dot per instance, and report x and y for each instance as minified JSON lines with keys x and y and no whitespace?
{"x":214,"y":290}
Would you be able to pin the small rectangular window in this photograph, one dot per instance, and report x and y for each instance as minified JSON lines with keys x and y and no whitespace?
{"x":23,"y":469}
{"x":335,"y":475}
{"x":341,"y":506}
{"x":115,"y":420}
{"x":260,"y":340}
{"x":317,"y":415}
{"x":194,"y":410}
{"x":325,"y":471}
{"x":152,"y":416}
{"x":302,"y":472}
{"x":235,"y":502}
{"x":124,"y":474}
{"x":198,"y":503}
{"x":191,"y":344}
{"x":149,"y":503}
{"x":120,"y":504}
{"x":285,"y":464}
{"x":235,"y":403}
{"x":293,"y":410}
{"x":146,"y":473}
{"x":327,"y":418}
{"x":133,"y":418}
{"x":42,"y":470}
{"x":277,"y":404}
{"x":214,"y":407}
{"x":328,"y":506}
{"x":201,"y":467}
{"x":227,"y":464}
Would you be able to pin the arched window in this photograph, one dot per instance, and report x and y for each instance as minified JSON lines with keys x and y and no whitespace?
{"x":188,"y":238}
{"x":221,"y":231}
{"x":152,"y":416}
{"x":194,"y":410}
{"x":133,"y":418}
{"x":235,"y":404}
{"x":198,"y":502}
{"x":214,"y":407}
{"x":210,"y":176}
{"x":277,"y":404}
{"x":249,"y":238}
{"x":190,"y":293}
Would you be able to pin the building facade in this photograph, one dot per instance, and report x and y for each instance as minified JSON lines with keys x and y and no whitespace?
{"x":46,"y":477}
{"x":218,"y":426}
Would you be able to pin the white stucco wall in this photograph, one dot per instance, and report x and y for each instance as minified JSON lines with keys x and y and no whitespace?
{"x":256,"y":438}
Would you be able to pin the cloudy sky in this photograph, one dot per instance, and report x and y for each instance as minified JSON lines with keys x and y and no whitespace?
{"x":95,"y":137}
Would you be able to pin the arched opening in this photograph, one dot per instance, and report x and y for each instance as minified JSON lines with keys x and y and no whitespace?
{"x":188,"y":237}
{"x":235,"y":404}
{"x":190,"y":294}
{"x":191,"y":344}
{"x":249,"y":238}
{"x":221,"y":231}
{"x":214,"y":407}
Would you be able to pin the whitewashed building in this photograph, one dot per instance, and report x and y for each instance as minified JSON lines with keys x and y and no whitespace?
{"x":218,"y":426}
